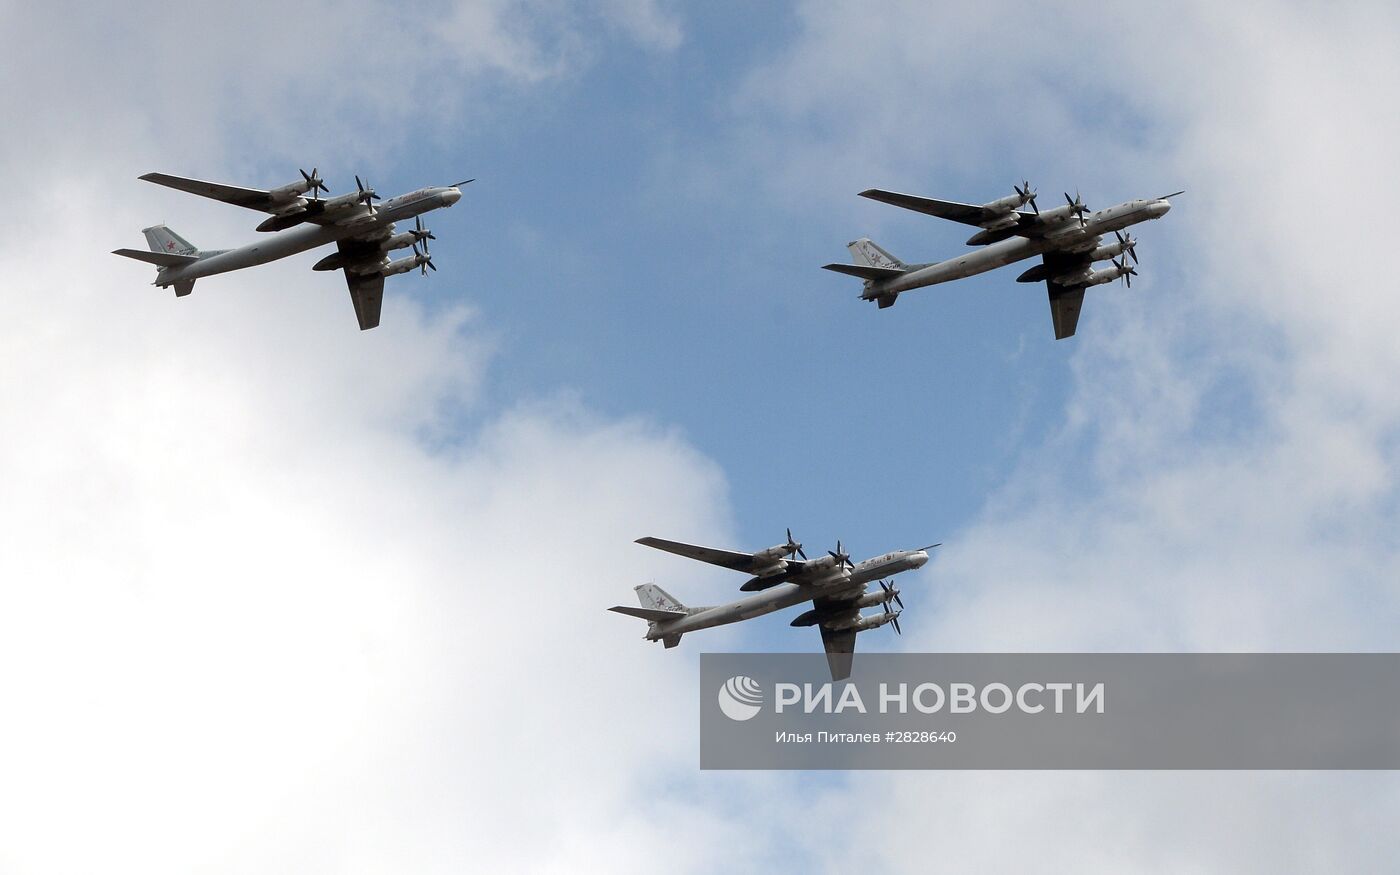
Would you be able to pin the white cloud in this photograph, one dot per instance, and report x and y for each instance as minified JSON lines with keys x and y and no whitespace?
{"x":247,"y":608}
{"x":279,"y":595}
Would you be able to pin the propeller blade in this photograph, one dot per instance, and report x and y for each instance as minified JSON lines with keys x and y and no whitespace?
{"x":794,"y":548}
{"x":894,"y":621}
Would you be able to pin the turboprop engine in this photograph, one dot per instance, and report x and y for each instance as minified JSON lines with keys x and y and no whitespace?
{"x":1125,"y":245}
{"x":289,"y":206}
{"x":1005,"y":216}
{"x":1106,"y":275}
{"x":362,"y":195}
{"x":871,"y":600}
{"x":404,"y":265}
{"x":770,"y":562}
{"x":861,"y":623}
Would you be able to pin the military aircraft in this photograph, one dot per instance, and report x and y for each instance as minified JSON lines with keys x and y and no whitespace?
{"x":362,"y":230}
{"x":1069,"y":240}
{"x":834,"y":585}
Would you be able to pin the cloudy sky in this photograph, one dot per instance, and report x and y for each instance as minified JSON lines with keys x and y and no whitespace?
{"x":279,"y":596}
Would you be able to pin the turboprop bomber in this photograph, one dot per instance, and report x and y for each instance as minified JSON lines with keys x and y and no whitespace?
{"x":299,"y":219}
{"x":836,"y":587}
{"x":1069,"y":240}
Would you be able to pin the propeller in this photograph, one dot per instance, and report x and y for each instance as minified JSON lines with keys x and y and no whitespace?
{"x":1125,"y":271}
{"x":314,"y":183}
{"x":367,"y":196}
{"x":891,"y":593}
{"x":1077,"y":207}
{"x":794,"y":548}
{"x":1027,"y":196}
{"x":421,"y":233}
{"x":1128,"y":244}
{"x":894,"y":620}
{"x":425,"y":261}
{"x":841,"y":557}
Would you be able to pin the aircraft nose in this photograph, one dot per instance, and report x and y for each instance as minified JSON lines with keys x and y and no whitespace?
{"x":919,"y":558}
{"x":1160,"y":208}
{"x":451,"y":196}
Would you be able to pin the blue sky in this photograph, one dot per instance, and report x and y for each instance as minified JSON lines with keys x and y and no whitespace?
{"x":609,"y":272}
{"x":369,"y":570}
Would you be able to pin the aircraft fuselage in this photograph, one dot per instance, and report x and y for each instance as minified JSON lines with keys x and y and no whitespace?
{"x":358,"y":223}
{"x":785,"y":595}
{"x":1068,"y":238}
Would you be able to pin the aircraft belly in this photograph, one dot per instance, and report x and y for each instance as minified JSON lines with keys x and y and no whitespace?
{"x":782,"y":596}
{"x":988,"y":258}
{"x":282,"y":245}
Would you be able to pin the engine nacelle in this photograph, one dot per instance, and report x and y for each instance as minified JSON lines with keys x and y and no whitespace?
{"x":822,"y":563}
{"x":874,"y":599}
{"x":398,"y":241}
{"x":340,"y":202}
{"x":1008,"y":219}
{"x":1106,"y":252}
{"x":1099,"y":277}
{"x":874,"y":621}
{"x":402,"y":265}
{"x":1064,"y":215}
{"x":769,"y":562}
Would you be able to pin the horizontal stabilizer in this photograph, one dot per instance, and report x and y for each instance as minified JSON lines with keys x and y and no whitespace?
{"x":159,"y":259}
{"x":653,"y":614}
{"x":863,"y":271}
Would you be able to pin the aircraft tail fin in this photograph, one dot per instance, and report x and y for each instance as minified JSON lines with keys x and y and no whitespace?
{"x":163,"y":240}
{"x":654,"y":597}
{"x":873,"y":264}
{"x":658,"y":607}
{"x":167,"y":250}
{"x":867,"y":252}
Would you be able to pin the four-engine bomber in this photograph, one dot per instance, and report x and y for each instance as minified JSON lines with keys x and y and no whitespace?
{"x":834,"y":585}
{"x":362,"y":231}
{"x":1068,"y":238}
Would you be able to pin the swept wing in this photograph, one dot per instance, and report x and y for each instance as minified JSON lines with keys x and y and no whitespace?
{"x":1065,"y":300}
{"x":840,"y":647}
{"x":252,"y":198}
{"x":745,"y":562}
{"x":967,"y":214}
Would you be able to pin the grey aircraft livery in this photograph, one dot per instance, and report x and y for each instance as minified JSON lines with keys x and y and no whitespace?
{"x":363,"y":232}
{"x":834,"y":585}
{"x":1068,"y":240}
